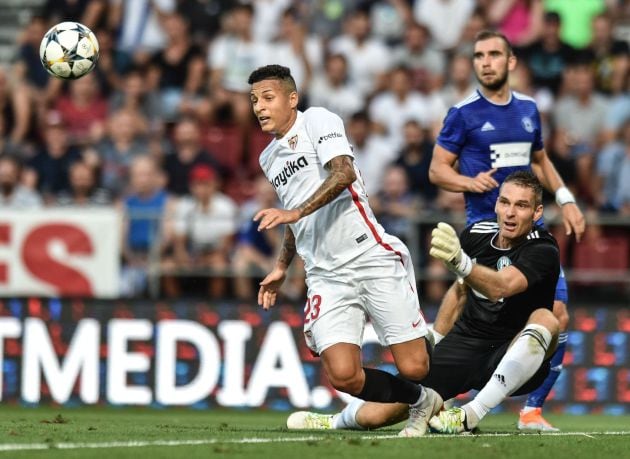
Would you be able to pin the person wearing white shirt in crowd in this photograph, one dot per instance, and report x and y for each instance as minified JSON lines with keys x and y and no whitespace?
{"x":301,"y":52}
{"x":333,"y":91}
{"x":141,"y":33}
{"x":13,"y":195}
{"x":391,"y":109}
{"x":426,"y":64}
{"x":372,"y":152}
{"x":231,"y":58}
{"x":204,"y":226}
{"x":446,"y":19}
{"x":368,"y":57}
{"x":354,"y":269}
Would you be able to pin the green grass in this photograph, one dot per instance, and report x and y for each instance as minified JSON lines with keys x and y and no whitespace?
{"x":225,"y":429}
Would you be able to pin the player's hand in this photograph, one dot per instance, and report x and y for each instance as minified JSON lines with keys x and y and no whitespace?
{"x":270,"y":218}
{"x":445,"y":246}
{"x":573,"y":220}
{"x":270,"y":286}
{"x":483,"y":182}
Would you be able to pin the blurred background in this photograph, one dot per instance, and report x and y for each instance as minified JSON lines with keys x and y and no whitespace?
{"x":129,"y":193}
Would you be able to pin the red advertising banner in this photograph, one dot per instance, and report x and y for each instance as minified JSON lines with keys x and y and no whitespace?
{"x":60,"y":252}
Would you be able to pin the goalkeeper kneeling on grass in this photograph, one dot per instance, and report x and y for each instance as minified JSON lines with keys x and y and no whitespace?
{"x":498,"y":314}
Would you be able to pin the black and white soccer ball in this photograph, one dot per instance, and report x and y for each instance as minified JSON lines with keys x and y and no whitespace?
{"x":69,"y":50}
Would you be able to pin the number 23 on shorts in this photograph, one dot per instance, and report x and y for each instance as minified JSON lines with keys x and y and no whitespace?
{"x":311,"y":309}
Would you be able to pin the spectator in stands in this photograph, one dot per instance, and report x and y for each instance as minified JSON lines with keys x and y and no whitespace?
{"x":324,"y":21}
{"x":146,"y":224}
{"x":445,"y":19}
{"x":204,"y":17}
{"x":83,"y":191}
{"x":461,"y":81}
{"x":301,"y":52}
{"x":16,"y":115}
{"x":368,"y":57}
{"x":579,"y":115}
{"x":612,"y":56}
{"x":426,"y":64}
{"x":577,"y":19}
{"x":475,"y":24}
{"x":255,"y":251}
{"x":519,"y":20}
{"x":135,"y":96}
{"x":372,"y":151}
{"x":14,"y":195}
{"x":140,"y":32}
{"x":392,"y":108}
{"x":205,"y":225}
{"x":267,"y":15}
{"x":51,"y":165}
{"x":395,"y":205}
{"x":389,"y":19}
{"x":548,"y":56}
{"x":415,"y":158}
{"x":333,"y":90}
{"x":28,"y":66}
{"x":613,"y":166}
{"x":83,"y":111}
{"x":92,"y":13}
{"x":231,"y":58}
{"x":177,"y":71}
{"x":188,"y":152}
{"x":124,"y":141}
{"x":618,"y":112}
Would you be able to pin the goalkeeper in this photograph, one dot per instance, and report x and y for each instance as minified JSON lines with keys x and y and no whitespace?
{"x":502,"y":329}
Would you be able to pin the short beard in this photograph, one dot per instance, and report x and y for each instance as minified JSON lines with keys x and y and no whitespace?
{"x":498,"y":84}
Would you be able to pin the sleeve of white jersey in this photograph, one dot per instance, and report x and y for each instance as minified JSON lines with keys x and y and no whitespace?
{"x":327,"y":133}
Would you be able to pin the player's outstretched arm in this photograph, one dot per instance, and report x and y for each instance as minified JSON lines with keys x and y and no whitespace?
{"x":443,"y":174}
{"x":271,"y":284}
{"x":341,"y":175}
{"x":572,"y":216}
{"x":494,"y":285}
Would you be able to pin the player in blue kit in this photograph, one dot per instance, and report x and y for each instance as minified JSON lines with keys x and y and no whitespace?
{"x":489,"y":135}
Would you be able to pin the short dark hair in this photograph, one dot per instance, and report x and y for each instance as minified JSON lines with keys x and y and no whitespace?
{"x":273,"y":72}
{"x":526,"y":179}
{"x":488,"y":34}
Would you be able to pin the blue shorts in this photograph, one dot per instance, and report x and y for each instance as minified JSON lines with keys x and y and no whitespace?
{"x":561,"y":288}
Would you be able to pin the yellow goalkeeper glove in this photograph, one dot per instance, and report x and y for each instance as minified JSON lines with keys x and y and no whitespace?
{"x":446,"y":247}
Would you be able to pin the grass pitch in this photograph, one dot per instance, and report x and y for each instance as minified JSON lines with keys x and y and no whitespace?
{"x":88,"y":432}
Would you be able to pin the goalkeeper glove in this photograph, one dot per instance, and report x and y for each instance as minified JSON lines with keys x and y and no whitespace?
{"x":446,"y":247}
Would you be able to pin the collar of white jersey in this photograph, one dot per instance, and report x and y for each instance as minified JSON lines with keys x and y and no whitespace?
{"x":296,"y":124}
{"x":494,"y":103}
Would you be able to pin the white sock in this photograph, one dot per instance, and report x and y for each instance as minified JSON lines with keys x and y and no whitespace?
{"x":519,"y":363}
{"x":347,"y":419}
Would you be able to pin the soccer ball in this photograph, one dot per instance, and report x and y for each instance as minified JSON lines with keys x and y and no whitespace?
{"x":69,"y":50}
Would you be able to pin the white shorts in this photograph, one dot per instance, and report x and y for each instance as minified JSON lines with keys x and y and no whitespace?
{"x":379,"y":285}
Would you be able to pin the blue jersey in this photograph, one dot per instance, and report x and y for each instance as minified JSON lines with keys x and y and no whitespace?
{"x":485,"y":135}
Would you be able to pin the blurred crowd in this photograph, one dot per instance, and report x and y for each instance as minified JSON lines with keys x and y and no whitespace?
{"x":163,"y":129}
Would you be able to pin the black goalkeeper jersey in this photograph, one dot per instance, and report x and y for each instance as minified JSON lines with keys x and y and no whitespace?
{"x":537,"y":258}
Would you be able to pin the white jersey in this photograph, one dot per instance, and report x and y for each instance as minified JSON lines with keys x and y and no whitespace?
{"x":342,"y":229}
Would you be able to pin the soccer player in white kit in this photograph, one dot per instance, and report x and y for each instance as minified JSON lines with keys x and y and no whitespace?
{"x":354,"y":269}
